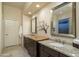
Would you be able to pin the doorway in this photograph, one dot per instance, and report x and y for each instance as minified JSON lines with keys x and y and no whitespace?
{"x":11,"y":33}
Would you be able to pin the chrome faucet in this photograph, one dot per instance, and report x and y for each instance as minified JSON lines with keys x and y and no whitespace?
{"x":60,"y":41}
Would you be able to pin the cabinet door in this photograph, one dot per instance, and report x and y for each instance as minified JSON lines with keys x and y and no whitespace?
{"x":25,"y":42}
{"x":47,"y":52}
{"x":44,"y":54}
{"x":62,"y":55}
{"x":32,"y":47}
{"x":30,"y":51}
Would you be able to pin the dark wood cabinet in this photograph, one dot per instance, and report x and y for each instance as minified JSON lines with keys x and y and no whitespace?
{"x":36,"y":49}
{"x":62,"y":55}
{"x":48,"y":52}
{"x":76,"y":45}
{"x":31,"y":46}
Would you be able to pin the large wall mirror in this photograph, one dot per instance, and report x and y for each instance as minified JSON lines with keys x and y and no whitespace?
{"x":64,"y":20}
{"x":34,"y":25}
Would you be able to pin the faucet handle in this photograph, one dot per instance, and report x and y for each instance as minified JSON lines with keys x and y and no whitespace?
{"x":58,"y":40}
{"x":63,"y":42}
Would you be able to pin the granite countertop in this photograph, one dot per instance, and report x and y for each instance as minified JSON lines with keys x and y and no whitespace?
{"x":67,"y":49}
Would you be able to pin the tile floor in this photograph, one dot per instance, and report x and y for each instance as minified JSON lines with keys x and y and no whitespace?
{"x":15,"y":51}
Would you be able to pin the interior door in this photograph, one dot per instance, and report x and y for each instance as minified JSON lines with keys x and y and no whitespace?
{"x":11,"y":36}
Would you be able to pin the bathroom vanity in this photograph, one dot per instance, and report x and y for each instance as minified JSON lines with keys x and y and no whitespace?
{"x":44,"y":47}
{"x":48,"y":52}
{"x":48,"y":48}
{"x":32,"y":45}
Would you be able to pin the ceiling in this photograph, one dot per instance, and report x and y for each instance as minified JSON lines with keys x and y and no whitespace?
{"x":16,"y":4}
{"x":28,"y":6}
{"x":32,"y":7}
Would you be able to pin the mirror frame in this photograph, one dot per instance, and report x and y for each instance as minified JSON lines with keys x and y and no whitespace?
{"x":73,"y":18}
{"x":35,"y":22}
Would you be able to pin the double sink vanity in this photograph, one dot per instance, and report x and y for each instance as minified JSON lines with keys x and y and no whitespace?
{"x":63,"y":24}
{"x":43,"y":46}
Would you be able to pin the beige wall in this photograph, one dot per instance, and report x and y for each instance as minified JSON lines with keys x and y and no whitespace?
{"x":45,"y":15}
{"x":26,"y":25}
{"x":1,"y":46}
{"x":13,"y":13}
{"x":77,"y":19}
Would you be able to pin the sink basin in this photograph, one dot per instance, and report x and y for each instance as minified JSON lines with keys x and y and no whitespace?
{"x":57,"y":44}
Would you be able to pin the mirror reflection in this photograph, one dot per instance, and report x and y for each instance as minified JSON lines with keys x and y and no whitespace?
{"x":63,"y":21}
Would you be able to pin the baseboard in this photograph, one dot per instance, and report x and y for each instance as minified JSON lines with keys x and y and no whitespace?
{"x":13,"y":45}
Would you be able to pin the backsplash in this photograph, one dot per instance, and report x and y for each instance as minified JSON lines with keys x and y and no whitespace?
{"x":63,"y":39}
